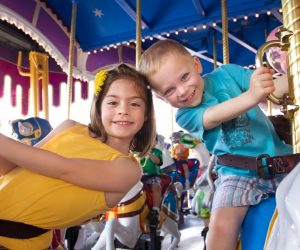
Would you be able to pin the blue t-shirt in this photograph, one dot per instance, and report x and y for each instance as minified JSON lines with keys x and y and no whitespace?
{"x":250,"y":134}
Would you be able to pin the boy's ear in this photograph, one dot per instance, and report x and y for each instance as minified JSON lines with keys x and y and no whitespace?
{"x":198,"y":65}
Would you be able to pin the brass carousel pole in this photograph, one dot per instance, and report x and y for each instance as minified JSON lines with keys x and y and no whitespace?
{"x":71,"y":55}
{"x":214,"y":50}
{"x":138,"y":33}
{"x":225,"y":32}
{"x":291,"y":21}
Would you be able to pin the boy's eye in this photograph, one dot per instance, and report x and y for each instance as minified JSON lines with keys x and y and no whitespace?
{"x":169,"y":92}
{"x":185,"y":76}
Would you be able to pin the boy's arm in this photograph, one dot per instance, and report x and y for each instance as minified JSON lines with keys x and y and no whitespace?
{"x":261,"y":85}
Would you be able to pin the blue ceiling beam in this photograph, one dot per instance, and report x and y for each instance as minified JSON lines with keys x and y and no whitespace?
{"x":199,"y":7}
{"x":131,"y":12}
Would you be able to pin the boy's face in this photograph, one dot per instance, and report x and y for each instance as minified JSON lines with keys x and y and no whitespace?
{"x":178,"y":81}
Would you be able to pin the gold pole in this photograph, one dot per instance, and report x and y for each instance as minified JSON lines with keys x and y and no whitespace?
{"x":291,"y":21}
{"x":120,"y":54}
{"x":71,"y":56}
{"x":225,"y":32}
{"x":269,"y":107}
{"x":172,"y":119}
{"x":34,"y":84}
{"x":138,"y":33}
{"x":215,"y":50}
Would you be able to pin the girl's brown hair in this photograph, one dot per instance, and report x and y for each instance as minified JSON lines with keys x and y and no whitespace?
{"x":143,"y":140}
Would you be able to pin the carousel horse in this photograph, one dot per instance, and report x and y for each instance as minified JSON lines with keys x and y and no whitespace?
{"x":284,"y":230}
{"x":129,"y":219}
{"x":31,"y":130}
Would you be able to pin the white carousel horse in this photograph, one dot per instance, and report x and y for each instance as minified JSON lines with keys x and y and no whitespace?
{"x":125,"y":223}
{"x":205,"y":189}
{"x":284,"y":231}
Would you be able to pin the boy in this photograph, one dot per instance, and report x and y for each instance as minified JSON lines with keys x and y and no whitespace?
{"x":221,"y":109}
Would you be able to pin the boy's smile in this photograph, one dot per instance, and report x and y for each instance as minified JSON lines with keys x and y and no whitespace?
{"x":178,"y":81}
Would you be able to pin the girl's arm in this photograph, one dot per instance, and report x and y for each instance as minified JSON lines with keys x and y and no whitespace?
{"x":261,"y":85}
{"x":109,"y":176}
{"x":6,"y":166}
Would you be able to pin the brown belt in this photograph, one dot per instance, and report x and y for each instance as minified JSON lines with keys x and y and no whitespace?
{"x":18,"y":230}
{"x":265,"y":165}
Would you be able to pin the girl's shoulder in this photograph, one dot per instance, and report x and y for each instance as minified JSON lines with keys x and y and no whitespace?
{"x":60,"y":128}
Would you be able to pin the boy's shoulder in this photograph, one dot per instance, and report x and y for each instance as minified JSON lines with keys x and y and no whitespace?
{"x":227,"y":68}
{"x":227,"y":71}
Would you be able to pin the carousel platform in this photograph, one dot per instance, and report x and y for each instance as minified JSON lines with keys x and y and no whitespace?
{"x":190,"y":234}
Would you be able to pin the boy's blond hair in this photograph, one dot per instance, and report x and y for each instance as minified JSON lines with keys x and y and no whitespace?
{"x":152,"y":58}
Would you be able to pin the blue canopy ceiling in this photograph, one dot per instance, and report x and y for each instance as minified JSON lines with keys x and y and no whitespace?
{"x":102,"y":26}
{"x":105,"y":23}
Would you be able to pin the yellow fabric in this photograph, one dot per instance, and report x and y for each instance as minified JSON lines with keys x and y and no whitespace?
{"x":51,"y":203}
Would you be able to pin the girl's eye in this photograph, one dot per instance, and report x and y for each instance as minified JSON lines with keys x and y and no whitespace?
{"x":135,"y":104}
{"x":113,"y":103}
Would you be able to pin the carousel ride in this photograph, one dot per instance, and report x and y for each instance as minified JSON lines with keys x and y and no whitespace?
{"x":90,"y":35}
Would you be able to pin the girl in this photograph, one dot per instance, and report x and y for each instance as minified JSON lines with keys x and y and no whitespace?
{"x":78,"y":171}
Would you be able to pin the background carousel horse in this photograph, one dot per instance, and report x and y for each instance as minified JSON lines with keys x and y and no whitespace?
{"x":31,"y":130}
{"x":129,"y":219}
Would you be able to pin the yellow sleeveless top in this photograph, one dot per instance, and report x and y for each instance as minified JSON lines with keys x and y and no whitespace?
{"x":51,"y":203}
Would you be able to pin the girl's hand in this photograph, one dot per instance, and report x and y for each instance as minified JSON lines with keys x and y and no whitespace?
{"x":261,"y":84}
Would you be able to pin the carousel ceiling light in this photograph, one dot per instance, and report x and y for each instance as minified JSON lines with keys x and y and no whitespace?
{"x":256,"y":15}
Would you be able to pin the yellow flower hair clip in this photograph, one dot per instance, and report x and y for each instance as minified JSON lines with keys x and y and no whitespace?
{"x":99,"y":81}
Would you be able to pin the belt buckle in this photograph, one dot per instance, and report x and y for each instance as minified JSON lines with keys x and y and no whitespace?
{"x":261,"y":169}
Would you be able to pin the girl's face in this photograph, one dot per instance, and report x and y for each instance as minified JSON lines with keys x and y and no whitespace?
{"x":123,"y":112}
